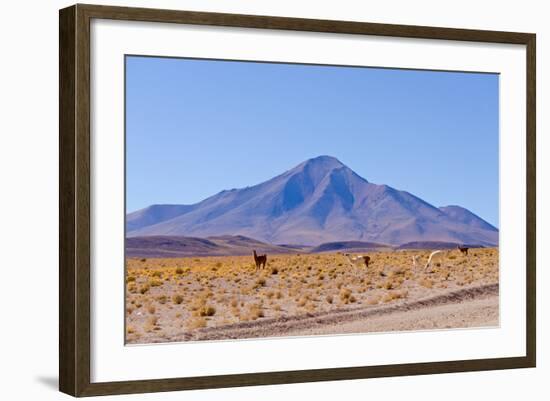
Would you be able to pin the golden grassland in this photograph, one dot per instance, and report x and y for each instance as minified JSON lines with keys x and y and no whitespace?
{"x":168,"y":297}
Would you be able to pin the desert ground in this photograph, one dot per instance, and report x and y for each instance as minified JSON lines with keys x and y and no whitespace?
{"x":226,"y":297}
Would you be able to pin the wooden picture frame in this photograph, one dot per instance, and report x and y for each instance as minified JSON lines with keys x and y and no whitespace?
{"x":74,"y":200}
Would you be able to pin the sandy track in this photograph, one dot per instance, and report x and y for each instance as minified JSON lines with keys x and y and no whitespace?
{"x":468,"y":307}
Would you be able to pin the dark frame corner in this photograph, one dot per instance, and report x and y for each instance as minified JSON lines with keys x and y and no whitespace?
{"x":74,"y":199}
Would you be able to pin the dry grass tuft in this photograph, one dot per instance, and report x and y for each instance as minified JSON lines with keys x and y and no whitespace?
{"x":155,"y":283}
{"x":177,"y":299}
{"x":196,"y":323}
{"x":207,"y":311}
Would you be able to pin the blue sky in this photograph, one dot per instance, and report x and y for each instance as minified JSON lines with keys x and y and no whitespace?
{"x":196,"y":127}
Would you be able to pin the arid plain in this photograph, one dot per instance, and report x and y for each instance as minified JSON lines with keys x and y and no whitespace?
{"x":226,"y":297}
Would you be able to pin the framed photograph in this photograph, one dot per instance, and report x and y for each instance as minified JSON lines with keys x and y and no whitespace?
{"x":250,"y":200}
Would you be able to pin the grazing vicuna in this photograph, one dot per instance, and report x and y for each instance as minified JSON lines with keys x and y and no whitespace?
{"x":260,"y":260}
{"x":359,"y":258}
{"x":462,"y":249}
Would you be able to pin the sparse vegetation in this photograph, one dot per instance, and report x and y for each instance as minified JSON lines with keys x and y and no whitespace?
{"x":179,"y":296}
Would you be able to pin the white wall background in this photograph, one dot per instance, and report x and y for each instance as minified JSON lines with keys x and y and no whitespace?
{"x":29,"y":182}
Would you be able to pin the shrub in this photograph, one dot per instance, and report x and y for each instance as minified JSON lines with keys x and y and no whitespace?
{"x":179,"y":270}
{"x":196,"y":323}
{"x":426,"y":283}
{"x":153,"y":320}
{"x":387,"y":297}
{"x":374,"y":300}
{"x":255,"y":311}
{"x":144,"y":288}
{"x":155,"y":282}
{"x":177,"y":299}
{"x":207,"y":311}
{"x":345,"y":294}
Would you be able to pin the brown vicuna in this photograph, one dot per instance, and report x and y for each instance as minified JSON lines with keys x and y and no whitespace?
{"x":462,"y":249}
{"x":260,"y":260}
{"x":367,"y":260}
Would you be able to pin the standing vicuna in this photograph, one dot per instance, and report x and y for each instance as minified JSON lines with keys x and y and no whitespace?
{"x":463,"y":249}
{"x":354,"y":259}
{"x":260,"y":260}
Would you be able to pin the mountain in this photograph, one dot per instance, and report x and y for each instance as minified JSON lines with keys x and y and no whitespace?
{"x":154,"y":214}
{"x":320,"y":200}
{"x":464,"y":216}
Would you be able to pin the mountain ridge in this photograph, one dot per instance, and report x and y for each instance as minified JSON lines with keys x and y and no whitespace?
{"x":318,"y":201}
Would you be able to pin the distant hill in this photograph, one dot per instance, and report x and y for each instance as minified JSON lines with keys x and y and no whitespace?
{"x":161,"y":246}
{"x":178,"y":246}
{"x":319,"y":201}
{"x":349,"y":246}
{"x":435,"y":245}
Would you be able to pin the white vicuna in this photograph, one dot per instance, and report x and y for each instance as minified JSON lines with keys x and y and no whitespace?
{"x":353,"y":260}
{"x":432,"y":255}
